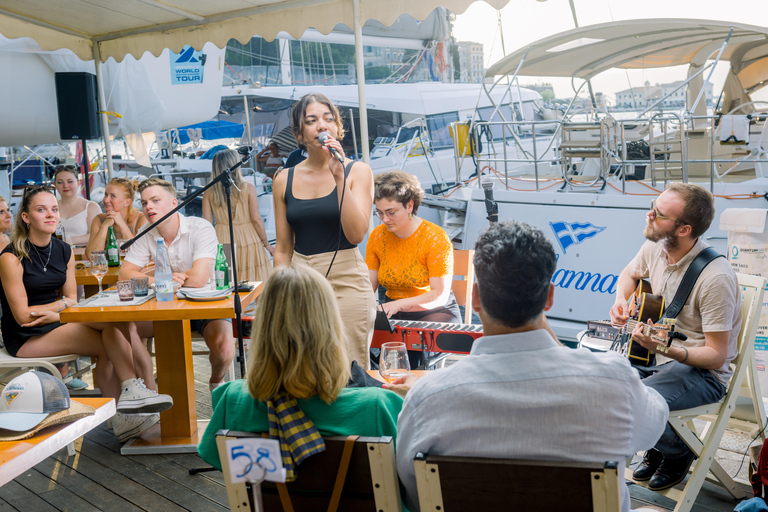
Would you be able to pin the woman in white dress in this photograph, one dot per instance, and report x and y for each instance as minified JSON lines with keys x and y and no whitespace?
{"x":77,"y":213}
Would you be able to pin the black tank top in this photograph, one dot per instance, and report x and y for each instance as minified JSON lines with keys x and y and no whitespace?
{"x":315,"y":222}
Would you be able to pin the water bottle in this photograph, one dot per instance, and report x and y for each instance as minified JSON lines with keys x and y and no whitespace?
{"x":163,"y":273}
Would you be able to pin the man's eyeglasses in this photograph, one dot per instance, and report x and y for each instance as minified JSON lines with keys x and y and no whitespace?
{"x":390,"y":214}
{"x":656,"y":214}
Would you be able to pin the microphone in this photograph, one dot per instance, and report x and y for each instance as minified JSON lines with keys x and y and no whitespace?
{"x":323,"y":138}
{"x":244,"y":150}
{"x":491,"y":207}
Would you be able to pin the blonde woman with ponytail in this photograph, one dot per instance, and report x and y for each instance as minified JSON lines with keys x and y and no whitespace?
{"x":119,"y":214}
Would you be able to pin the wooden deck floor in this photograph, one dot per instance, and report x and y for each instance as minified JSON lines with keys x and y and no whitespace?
{"x":98,"y":478}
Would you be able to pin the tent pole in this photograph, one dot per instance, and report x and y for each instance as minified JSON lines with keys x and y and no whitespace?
{"x":103,"y":105}
{"x":360,"y":64}
{"x":247,"y":110}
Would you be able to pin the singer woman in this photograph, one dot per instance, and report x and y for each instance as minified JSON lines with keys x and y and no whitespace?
{"x":322,"y":211}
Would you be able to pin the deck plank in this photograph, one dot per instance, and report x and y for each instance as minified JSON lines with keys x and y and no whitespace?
{"x":109,"y":490}
{"x":54,"y":493}
{"x":19,"y":497}
{"x":161,"y":474}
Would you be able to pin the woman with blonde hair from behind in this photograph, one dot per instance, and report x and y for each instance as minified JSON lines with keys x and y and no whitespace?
{"x":298,"y":366}
{"x":250,"y":235}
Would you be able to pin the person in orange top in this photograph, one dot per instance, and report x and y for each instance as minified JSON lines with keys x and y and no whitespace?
{"x":411,"y":257}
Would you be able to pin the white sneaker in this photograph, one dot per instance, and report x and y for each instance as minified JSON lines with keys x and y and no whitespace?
{"x":128,"y":426}
{"x":136,"y":398}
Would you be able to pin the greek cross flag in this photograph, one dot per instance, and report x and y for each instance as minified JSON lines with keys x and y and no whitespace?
{"x":573,"y":233}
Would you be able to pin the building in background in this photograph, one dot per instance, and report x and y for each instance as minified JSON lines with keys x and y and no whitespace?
{"x":647,"y":95}
{"x":471,"y":67}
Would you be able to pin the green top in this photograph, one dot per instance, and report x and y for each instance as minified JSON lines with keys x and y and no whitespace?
{"x":357,"y":411}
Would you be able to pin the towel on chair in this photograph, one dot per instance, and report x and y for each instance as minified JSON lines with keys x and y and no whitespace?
{"x":298,"y":436}
{"x":734,"y":130}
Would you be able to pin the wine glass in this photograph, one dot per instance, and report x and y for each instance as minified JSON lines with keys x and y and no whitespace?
{"x":393,"y":362}
{"x":99,"y":267}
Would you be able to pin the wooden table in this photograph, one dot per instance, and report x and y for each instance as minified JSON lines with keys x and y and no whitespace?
{"x":91,"y":284}
{"x":179,"y":430}
{"x":16,"y":457}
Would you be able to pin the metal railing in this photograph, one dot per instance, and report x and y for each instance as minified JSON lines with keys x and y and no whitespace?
{"x":536,"y":149}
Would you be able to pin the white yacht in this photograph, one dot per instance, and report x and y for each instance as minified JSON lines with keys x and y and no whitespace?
{"x":589,"y":192}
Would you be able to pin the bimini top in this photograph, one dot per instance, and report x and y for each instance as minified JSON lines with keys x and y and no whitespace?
{"x":642,"y":44}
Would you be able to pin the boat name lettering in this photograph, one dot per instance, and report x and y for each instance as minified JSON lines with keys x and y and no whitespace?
{"x":580,"y":280}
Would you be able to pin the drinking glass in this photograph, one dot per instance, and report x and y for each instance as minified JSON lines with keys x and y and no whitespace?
{"x":99,"y":267}
{"x":125,"y":290}
{"x":393,"y":362}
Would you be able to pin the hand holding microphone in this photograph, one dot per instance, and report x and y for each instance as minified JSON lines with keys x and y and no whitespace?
{"x":323,"y":138}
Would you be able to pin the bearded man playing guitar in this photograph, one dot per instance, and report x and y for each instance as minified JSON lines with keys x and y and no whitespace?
{"x":695,"y":371}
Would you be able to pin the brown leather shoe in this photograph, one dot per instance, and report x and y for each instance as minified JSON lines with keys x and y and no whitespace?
{"x":671,"y":472}
{"x":651,"y":462}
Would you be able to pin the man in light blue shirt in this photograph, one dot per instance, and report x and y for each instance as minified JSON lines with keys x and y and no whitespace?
{"x":520,"y":394}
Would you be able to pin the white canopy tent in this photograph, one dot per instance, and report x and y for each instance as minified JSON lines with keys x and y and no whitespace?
{"x":642,"y":44}
{"x":116,"y":28}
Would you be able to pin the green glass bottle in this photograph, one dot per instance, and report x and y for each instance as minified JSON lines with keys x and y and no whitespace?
{"x":221,"y":269}
{"x":113,"y":252}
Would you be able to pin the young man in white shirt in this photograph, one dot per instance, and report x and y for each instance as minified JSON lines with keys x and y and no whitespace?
{"x":192,"y":244}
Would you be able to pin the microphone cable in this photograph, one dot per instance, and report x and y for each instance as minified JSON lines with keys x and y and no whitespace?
{"x":341,"y":204}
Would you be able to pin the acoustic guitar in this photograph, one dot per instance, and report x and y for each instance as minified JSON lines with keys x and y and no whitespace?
{"x":645,"y":306}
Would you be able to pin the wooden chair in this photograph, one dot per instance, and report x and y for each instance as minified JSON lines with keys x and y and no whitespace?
{"x":370,"y":483}
{"x":468,"y":484}
{"x":717,"y":416}
{"x":462,"y":288}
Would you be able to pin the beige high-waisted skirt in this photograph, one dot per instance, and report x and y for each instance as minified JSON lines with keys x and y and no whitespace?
{"x":352,"y":286}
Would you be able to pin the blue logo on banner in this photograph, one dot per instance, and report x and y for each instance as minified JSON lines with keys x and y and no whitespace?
{"x":573,"y":233}
{"x":187,"y":67}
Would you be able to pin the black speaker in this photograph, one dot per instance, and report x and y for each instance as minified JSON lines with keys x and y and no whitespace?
{"x":78,"y":106}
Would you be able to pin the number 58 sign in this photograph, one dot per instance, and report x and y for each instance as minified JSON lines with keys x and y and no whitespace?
{"x":255,"y":460}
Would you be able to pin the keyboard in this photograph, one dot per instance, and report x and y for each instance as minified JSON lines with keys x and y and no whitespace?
{"x":430,"y":336}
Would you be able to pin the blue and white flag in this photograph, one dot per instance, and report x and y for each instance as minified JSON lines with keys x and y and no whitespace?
{"x":573,"y":233}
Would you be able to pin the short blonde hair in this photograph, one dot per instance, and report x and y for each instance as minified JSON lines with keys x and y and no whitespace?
{"x":157,"y":182}
{"x":297,"y":341}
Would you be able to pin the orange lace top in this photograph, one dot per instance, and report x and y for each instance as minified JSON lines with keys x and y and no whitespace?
{"x":405,"y":265}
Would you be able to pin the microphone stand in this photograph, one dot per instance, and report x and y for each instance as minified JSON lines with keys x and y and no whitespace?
{"x":225,"y":179}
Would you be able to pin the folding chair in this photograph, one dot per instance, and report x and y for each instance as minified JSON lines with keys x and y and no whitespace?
{"x":462,"y":288}
{"x":718,"y":415}
{"x":368,"y":483}
{"x":468,"y":484}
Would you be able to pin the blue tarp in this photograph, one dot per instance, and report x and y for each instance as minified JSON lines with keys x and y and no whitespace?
{"x":212,"y":130}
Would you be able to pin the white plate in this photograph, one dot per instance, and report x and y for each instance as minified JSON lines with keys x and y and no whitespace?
{"x":206,"y":299}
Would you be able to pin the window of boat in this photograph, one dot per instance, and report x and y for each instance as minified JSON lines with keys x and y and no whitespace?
{"x":497,"y":130}
{"x":438,"y":129}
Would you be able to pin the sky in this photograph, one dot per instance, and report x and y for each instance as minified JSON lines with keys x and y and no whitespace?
{"x":526,"y":21}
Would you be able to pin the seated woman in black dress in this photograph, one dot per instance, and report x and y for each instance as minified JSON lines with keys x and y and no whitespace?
{"x":37,"y":282}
